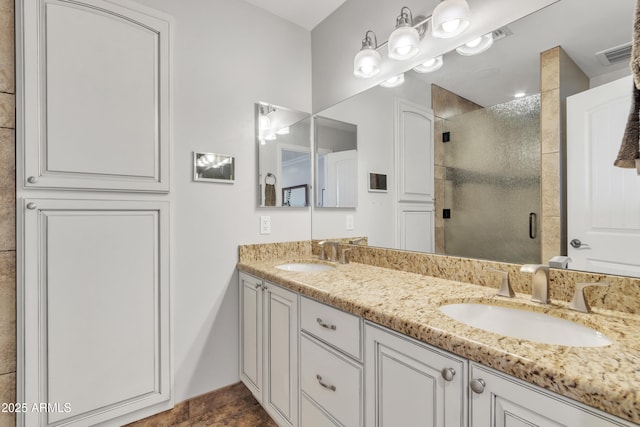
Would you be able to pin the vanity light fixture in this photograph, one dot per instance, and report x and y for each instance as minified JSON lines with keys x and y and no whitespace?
{"x":270,"y":137}
{"x":394,"y":81}
{"x":403,"y":41}
{"x":450,"y":18}
{"x":476,"y":46}
{"x":367,"y":62}
{"x":430,"y":65}
{"x":283,"y":131}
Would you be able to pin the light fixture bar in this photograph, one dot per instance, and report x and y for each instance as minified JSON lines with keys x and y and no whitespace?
{"x":416,"y":26}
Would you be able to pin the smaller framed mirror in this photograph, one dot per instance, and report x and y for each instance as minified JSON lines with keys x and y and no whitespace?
{"x":336,"y":145}
{"x":283,"y":138}
{"x":213,"y":167}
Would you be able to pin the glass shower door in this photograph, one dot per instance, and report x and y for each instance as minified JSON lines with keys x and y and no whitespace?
{"x":492,"y":182}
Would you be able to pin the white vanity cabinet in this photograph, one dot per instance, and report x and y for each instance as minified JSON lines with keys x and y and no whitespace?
{"x":409,"y":383}
{"x":269,"y":347}
{"x":331,"y":371}
{"x":499,"y":400}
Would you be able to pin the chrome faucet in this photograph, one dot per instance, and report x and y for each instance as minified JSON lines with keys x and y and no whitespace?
{"x":539,"y":283}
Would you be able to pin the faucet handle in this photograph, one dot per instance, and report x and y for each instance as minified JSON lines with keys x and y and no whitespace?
{"x":579,"y":302}
{"x":344,"y":259}
{"x":505,"y":289}
{"x":323,"y":254}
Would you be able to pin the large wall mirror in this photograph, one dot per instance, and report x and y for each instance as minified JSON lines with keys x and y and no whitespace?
{"x":283,"y":139}
{"x":489,"y":170}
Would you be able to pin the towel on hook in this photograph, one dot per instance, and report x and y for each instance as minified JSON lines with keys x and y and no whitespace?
{"x":629,"y":154}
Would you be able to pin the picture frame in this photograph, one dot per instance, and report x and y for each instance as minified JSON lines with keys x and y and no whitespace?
{"x":213,"y":167}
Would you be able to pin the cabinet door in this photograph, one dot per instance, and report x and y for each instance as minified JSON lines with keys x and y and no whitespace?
{"x":251,"y":333}
{"x":96,"y":93}
{"x":414,"y":152}
{"x":504,"y":401}
{"x":406,"y":385}
{"x":94,"y":310}
{"x":281,"y":354}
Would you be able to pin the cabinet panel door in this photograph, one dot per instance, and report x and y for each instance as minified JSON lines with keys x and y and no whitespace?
{"x":509,"y":402}
{"x":414,"y":152}
{"x":281,"y":353}
{"x":251,"y":333}
{"x":95,"y":308}
{"x":405,"y":384}
{"x":96,"y":96}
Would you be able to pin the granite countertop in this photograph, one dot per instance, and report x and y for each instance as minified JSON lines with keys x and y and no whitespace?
{"x":607,"y":378}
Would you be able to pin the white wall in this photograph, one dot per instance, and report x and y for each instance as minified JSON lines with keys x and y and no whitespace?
{"x":227,"y":55}
{"x":337,"y":39}
{"x":372,"y":111}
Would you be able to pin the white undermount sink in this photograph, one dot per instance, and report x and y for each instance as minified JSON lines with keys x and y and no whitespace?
{"x":305,"y":267}
{"x":524,"y":324}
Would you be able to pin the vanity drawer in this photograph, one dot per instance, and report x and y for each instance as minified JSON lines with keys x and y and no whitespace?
{"x":311,"y":415}
{"x":332,"y":380}
{"x":333,"y":326}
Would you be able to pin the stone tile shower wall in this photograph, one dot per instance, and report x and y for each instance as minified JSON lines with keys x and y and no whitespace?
{"x":7,"y":212}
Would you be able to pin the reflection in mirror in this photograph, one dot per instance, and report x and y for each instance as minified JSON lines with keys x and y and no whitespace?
{"x":284,"y":156}
{"x":336,"y":145}
{"x":485,"y":81}
{"x":213,"y":167}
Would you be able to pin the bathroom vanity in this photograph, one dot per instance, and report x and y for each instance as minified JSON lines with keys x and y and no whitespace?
{"x":362,"y":345}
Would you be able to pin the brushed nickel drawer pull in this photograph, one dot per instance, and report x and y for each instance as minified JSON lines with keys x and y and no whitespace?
{"x":325,"y":325}
{"x":325,"y":385}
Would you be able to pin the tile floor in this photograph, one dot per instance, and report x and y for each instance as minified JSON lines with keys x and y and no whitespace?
{"x":231,"y":406}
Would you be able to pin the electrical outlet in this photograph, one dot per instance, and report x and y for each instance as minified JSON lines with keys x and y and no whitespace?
{"x":349,"y":222}
{"x":265,"y":224}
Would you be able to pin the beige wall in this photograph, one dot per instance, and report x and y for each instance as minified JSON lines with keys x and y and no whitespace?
{"x":560,"y":77}
{"x":7,"y":213}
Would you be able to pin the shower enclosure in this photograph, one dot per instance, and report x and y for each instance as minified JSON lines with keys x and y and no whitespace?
{"x":492,"y":182}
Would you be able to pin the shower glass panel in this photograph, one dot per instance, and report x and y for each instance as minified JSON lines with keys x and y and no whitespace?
{"x":492,"y":182}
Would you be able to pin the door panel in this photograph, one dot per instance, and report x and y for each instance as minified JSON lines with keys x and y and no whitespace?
{"x":603,"y":200}
{"x":96,"y":96}
{"x":96,"y":316}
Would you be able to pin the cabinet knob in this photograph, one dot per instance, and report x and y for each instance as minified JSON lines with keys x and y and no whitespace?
{"x":448,"y":374}
{"x":32,"y":179}
{"x":31,"y":205}
{"x":477,"y":385}
{"x":258,"y":285}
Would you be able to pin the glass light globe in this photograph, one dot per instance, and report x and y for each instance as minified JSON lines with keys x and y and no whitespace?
{"x":450,"y":18}
{"x":265,"y":123}
{"x":366,"y":63}
{"x":476,"y":46}
{"x":393,"y":81}
{"x":430,"y":65}
{"x":403,"y":43}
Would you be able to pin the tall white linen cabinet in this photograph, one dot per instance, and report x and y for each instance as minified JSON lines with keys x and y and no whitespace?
{"x":93,"y":204}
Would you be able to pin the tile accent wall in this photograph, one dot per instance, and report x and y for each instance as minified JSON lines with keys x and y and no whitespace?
{"x":7,"y":212}
{"x":445,"y":104}
{"x":560,"y":77}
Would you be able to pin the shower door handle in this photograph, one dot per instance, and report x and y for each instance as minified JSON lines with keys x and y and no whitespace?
{"x":533,"y":225}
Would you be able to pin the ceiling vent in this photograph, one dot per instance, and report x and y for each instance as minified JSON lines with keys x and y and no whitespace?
{"x":615,"y":55}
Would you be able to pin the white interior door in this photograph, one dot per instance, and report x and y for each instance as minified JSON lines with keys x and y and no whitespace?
{"x":342,"y":179}
{"x":603,"y":201}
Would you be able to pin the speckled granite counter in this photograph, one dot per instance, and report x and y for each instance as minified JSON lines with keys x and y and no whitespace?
{"x":607,"y":378}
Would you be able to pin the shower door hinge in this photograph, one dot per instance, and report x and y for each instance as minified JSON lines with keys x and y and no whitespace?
{"x":446,"y":213}
{"x":446,"y":136}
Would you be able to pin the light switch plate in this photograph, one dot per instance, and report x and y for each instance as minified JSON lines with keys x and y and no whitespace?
{"x":349,"y":222}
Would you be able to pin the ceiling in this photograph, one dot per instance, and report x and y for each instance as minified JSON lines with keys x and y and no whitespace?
{"x":305,"y":13}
